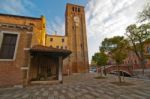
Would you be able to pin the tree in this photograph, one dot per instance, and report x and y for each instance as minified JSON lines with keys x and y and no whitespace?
{"x":137,"y":35}
{"x":100,"y":59}
{"x":145,"y":14}
{"x":117,"y":46}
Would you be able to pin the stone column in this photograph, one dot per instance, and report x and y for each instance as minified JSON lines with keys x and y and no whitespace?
{"x":60,"y":74}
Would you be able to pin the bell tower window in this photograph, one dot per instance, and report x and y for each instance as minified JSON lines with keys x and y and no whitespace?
{"x":78,"y":9}
{"x":73,"y":9}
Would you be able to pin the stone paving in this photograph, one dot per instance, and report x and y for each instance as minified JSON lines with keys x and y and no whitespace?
{"x":82,"y":86}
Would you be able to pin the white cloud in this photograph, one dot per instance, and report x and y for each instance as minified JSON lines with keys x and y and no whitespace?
{"x":107,"y":18}
{"x":56,"y":26}
{"x":21,"y":7}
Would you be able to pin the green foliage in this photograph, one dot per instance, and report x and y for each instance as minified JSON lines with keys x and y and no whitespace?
{"x":119,"y":55}
{"x":100,"y":58}
{"x":137,"y":35}
{"x":116,"y":47}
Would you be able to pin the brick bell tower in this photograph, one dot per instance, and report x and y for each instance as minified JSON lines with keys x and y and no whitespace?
{"x":75,"y":30}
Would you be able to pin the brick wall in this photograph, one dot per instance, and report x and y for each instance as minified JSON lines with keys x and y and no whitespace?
{"x":29,"y":21}
{"x":10,"y":71}
{"x":9,"y":74}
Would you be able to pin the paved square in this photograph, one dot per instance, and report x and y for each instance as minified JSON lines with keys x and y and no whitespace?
{"x":82,"y":86}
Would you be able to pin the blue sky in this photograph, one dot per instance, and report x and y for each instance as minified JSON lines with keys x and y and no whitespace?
{"x":49,"y":8}
{"x":104,"y":18}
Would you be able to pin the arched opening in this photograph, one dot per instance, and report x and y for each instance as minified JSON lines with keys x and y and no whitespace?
{"x":122,"y":73}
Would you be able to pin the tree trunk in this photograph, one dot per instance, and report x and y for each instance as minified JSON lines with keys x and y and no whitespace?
{"x":143,"y":66}
{"x":119,"y":77}
{"x":97,"y":71}
{"x":142,"y":56}
{"x":123,"y":77}
{"x":105,"y":71}
{"x":101,"y":71}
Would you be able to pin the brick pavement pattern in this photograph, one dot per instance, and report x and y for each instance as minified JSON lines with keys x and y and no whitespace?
{"x":82,"y":86}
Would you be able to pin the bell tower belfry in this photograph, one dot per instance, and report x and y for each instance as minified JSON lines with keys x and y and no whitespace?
{"x":75,"y":30}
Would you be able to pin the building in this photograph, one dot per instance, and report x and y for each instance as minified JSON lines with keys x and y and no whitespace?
{"x":24,"y":58}
{"x":132,"y":59}
{"x":57,"y":41}
{"x":75,"y":39}
{"x":18,"y":34}
{"x":29,"y":55}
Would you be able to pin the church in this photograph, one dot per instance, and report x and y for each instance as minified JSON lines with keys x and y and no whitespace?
{"x":29,"y":55}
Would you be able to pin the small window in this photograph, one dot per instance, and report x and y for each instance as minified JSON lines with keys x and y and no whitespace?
{"x":51,"y":39}
{"x":31,"y":24}
{"x":8,"y":46}
{"x":43,"y":25}
{"x":73,"y":27}
{"x":78,"y":9}
{"x":81,"y":46}
{"x":63,"y":39}
{"x":73,"y":9}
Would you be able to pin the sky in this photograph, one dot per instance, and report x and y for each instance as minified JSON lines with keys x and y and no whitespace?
{"x":104,"y":18}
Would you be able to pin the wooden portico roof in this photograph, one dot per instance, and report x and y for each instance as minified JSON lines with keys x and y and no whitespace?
{"x":49,"y":51}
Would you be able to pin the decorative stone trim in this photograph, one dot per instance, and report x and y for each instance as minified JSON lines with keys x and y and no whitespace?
{"x":26,"y":49}
{"x":24,"y":68}
{"x":16,"y":26}
{"x":30,"y":33}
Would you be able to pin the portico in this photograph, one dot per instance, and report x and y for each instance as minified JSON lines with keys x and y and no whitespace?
{"x":45,"y":65}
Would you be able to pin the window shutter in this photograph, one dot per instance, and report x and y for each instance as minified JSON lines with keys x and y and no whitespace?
{"x":8,"y":46}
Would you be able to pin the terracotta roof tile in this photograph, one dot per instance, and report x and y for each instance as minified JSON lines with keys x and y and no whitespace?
{"x":49,"y":50}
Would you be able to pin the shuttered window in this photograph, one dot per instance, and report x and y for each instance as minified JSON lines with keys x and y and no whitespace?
{"x":8,"y":45}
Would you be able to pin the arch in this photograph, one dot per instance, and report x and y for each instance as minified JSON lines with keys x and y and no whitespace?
{"x":124,"y":69}
{"x":125,"y":73}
